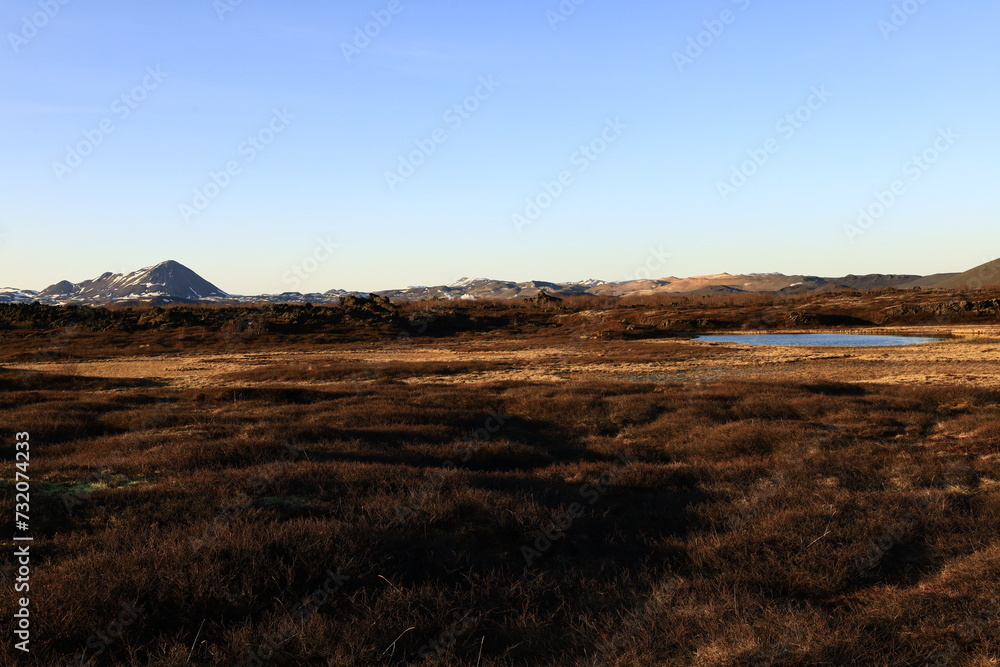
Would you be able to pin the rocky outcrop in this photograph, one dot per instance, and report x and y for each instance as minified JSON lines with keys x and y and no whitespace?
{"x":954,"y":307}
{"x":543,"y":299}
{"x":372,"y":302}
{"x":807,"y":319}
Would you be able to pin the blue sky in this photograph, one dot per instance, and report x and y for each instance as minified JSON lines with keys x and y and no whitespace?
{"x":653,"y":148}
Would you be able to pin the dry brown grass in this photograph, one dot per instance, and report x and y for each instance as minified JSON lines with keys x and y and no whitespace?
{"x":773,"y":519}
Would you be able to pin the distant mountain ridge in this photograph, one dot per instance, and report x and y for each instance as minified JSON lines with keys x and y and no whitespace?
{"x":171,"y":282}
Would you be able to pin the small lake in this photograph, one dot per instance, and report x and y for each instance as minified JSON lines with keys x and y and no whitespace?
{"x":816,"y":340}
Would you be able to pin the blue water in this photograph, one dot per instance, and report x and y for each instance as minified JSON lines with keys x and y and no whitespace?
{"x":816,"y":340}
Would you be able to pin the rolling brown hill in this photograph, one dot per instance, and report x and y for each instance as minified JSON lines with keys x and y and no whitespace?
{"x":984,"y":275}
{"x":929,"y":281}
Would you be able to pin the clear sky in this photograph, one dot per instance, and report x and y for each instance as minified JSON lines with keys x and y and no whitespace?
{"x":116,"y":115}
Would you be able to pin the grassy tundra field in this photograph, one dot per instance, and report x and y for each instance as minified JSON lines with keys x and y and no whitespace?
{"x":577,"y":483}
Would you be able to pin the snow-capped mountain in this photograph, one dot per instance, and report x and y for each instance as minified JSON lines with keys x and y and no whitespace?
{"x":483,"y":288}
{"x":590,"y":282}
{"x":12,"y":295}
{"x":463,"y":282}
{"x":164,"y":282}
